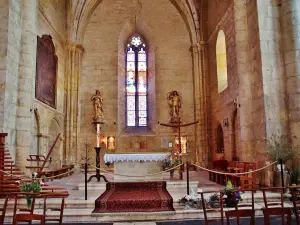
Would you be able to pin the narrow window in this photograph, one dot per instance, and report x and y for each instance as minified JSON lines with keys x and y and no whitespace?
{"x":220,"y":139}
{"x":221,"y":57}
{"x":136,"y":83}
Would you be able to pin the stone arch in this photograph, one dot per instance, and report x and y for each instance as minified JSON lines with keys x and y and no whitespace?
{"x":128,"y":30}
{"x":56,"y":156}
{"x":221,"y":60}
{"x":84,"y":10}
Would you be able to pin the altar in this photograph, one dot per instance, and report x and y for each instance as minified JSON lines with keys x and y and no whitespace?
{"x":137,"y":166}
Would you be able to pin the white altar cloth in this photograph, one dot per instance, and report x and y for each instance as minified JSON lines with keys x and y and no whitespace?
{"x":137,"y":166}
{"x":135,"y":157}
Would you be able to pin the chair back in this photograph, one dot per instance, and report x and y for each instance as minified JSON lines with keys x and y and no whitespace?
{"x":206,"y":209}
{"x":242,"y":209}
{"x":60,"y":209}
{"x":295,"y":190}
{"x":3,"y":209}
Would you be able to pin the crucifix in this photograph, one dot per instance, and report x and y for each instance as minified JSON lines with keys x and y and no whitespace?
{"x":175,"y":122}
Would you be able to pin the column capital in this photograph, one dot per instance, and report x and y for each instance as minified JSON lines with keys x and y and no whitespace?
{"x":195,"y":48}
{"x":74,"y":46}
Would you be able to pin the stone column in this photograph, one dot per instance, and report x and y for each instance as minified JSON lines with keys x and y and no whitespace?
{"x":203,"y":101}
{"x":245,"y":81}
{"x":26,"y":85}
{"x":10,"y":35}
{"x":72,"y":102}
{"x":273,"y":74}
{"x":197,"y":113}
{"x":290,"y":30}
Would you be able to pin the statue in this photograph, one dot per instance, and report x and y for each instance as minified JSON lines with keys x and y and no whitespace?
{"x":98,"y":103}
{"x":174,"y":102}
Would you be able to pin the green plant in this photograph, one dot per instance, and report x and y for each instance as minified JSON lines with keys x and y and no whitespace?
{"x":282,"y":147}
{"x":294,"y":174}
{"x":34,"y":186}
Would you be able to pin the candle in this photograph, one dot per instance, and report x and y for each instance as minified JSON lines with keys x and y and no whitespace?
{"x":98,"y":135}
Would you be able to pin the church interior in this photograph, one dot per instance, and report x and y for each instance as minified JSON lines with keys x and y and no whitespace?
{"x":184,"y":95}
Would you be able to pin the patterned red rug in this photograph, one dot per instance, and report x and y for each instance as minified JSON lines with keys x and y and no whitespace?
{"x":134,"y":197}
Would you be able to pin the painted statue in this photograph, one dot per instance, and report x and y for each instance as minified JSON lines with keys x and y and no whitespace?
{"x":174,"y":102}
{"x":98,"y":106}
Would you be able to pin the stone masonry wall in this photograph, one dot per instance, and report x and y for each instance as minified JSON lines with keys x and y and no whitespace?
{"x":222,"y":104}
{"x":170,"y":65}
{"x":52,"y":20}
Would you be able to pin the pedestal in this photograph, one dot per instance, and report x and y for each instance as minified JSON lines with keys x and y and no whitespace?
{"x":98,"y":175}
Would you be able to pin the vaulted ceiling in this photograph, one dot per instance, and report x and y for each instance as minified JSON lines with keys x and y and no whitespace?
{"x":80,"y":11}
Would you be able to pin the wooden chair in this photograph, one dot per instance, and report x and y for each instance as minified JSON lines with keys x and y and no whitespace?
{"x":25,"y":214}
{"x":242,"y":209}
{"x":277,"y":208}
{"x":61,"y":196}
{"x":3,"y":209}
{"x":206,"y":210}
{"x":295,"y":190}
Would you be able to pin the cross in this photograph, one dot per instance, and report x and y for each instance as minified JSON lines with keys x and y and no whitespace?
{"x":178,"y":126}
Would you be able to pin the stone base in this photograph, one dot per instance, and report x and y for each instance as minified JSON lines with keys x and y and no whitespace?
{"x":143,"y":171}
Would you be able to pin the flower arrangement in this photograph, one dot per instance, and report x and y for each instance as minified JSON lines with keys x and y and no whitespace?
{"x":231,"y":195}
{"x":34,"y":186}
{"x":173,"y":160}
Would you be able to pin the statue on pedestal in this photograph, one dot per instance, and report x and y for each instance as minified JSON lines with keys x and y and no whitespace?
{"x":174,"y":102}
{"x":98,"y":106}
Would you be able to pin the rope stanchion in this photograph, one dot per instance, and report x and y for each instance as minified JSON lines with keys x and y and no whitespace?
{"x":152,"y":174}
{"x":224,"y":173}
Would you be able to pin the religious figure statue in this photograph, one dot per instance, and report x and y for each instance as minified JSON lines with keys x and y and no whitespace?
{"x":174,"y":102}
{"x":98,"y":106}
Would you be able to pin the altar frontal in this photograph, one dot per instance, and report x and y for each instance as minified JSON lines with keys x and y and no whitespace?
{"x":137,"y":166}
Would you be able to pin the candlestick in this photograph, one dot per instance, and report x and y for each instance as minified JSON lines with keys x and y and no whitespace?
{"x":98,"y":135}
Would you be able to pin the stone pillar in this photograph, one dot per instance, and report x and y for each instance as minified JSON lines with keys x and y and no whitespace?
{"x":290,"y":30}
{"x":203,"y":101}
{"x":72,"y":102}
{"x":273,"y":73}
{"x":10,"y":36}
{"x":245,"y":80}
{"x":26,"y":86}
{"x":197,"y":114}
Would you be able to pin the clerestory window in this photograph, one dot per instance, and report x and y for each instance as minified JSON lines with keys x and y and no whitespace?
{"x":136,"y":83}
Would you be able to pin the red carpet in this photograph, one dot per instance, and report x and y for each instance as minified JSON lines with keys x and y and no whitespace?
{"x":134,"y":197}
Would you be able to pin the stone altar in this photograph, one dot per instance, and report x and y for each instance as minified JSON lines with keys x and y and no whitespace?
{"x":137,"y":166}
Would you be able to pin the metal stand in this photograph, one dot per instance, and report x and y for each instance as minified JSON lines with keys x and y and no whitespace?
{"x":187,"y":178}
{"x":98,"y":175}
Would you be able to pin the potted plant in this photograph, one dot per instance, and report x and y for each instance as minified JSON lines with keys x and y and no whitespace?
{"x":231,"y":195}
{"x":214,"y":200}
{"x":282,"y":149}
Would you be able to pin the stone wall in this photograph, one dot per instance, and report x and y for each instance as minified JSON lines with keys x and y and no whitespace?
{"x":52,"y":19}
{"x":170,"y":66}
{"x":222,"y":104}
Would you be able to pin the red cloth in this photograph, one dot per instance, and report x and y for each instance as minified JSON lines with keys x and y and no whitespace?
{"x":134,"y":197}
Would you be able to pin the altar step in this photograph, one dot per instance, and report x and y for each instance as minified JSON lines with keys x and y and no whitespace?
{"x":79,"y":215}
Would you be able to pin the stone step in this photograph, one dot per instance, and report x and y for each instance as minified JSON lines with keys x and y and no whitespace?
{"x":86,"y":215}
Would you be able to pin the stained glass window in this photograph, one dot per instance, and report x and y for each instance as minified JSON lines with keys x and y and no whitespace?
{"x":136,"y":82}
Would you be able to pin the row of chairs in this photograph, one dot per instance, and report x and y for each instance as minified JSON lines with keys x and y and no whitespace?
{"x":247,"y":209}
{"x":21,"y":214}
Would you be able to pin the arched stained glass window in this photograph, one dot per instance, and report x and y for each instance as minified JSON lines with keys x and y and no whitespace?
{"x":136,"y":83}
{"x":221,"y":56}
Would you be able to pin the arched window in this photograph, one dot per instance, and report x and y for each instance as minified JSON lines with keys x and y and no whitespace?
{"x":221,"y":57}
{"x":136,"y":83}
{"x":220,"y":139}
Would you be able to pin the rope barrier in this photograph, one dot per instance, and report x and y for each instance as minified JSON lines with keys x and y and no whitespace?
{"x":152,"y":174}
{"x":218,"y":172}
